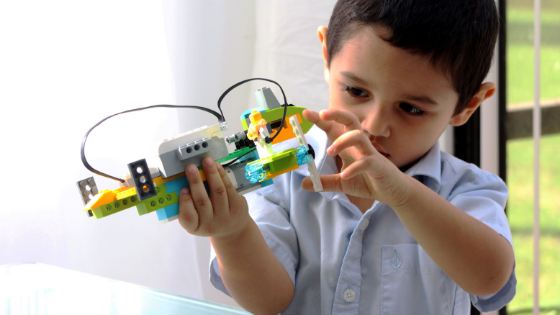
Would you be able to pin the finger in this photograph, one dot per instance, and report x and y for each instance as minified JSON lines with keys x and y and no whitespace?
{"x":230,"y":189}
{"x":349,"y":120}
{"x":331,"y":183}
{"x":332,"y":129}
{"x":368,"y":164}
{"x":218,"y":194}
{"x":188,"y":217}
{"x":354,"y":138}
{"x":201,"y":201}
{"x":234,"y":198}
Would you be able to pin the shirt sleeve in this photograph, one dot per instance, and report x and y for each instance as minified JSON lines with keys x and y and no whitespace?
{"x":272,"y":217}
{"x":483,"y":195}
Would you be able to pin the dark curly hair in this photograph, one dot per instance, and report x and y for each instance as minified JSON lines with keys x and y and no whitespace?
{"x":458,"y":35}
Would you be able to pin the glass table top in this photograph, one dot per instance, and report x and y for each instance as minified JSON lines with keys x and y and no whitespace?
{"x":43,"y":289}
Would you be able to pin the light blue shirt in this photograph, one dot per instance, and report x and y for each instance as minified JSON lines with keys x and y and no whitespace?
{"x":344,"y":262}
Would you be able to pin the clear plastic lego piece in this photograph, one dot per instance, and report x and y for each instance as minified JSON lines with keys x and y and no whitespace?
{"x":255,"y":172}
{"x":303,"y":157}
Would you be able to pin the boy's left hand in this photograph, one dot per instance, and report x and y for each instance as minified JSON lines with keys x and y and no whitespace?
{"x":365,"y":173}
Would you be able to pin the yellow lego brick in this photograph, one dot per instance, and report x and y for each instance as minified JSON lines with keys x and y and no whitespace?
{"x":103,"y":197}
{"x":159,"y":180}
{"x":131,"y":191}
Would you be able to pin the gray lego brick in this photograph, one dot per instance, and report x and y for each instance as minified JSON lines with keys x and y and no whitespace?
{"x":172,"y":165}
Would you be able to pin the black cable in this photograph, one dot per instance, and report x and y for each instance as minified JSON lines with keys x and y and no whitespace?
{"x":220,"y":116}
{"x":237,"y":158}
{"x":253,"y":79}
{"x":89,"y":167}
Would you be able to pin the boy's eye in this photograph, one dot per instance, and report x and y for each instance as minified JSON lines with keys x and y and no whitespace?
{"x":411,"y":109}
{"x":355,"y":92}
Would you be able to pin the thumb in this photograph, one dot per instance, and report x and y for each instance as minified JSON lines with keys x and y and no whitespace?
{"x":332,"y":183}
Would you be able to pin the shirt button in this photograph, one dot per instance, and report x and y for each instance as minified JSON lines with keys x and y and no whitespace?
{"x":364,"y":224}
{"x":349,"y":295}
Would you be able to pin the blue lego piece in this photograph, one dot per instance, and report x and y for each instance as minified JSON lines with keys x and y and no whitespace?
{"x":302,"y":155}
{"x":267,"y":182}
{"x":168,"y":212}
{"x":179,"y":183}
{"x":176,"y":185}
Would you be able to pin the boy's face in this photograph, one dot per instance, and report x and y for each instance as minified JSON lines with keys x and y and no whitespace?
{"x":403,"y":103}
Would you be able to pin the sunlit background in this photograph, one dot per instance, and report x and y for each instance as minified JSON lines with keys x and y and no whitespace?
{"x":520,"y":66}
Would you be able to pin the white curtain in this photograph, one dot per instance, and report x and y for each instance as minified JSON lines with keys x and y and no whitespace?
{"x":211,"y":47}
{"x":64,"y":66}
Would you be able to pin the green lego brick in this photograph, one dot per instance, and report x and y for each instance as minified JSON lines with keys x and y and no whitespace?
{"x":283,"y":160}
{"x":161,"y":200}
{"x":114,"y":207}
{"x":235,"y":154}
{"x":279,"y":161}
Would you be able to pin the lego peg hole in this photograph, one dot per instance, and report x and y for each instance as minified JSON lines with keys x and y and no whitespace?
{"x":145,"y":188}
{"x":189,"y":150}
{"x":205,"y":145}
{"x":90,"y":196}
{"x":196,"y":147}
{"x":87,"y":187}
{"x":139,"y":170}
{"x":143,"y":179}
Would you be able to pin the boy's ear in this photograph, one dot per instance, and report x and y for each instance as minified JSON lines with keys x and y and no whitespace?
{"x":322,"y":33}
{"x":485,"y":91}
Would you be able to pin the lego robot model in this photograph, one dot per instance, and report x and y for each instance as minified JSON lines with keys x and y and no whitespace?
{"x":251,"y":166}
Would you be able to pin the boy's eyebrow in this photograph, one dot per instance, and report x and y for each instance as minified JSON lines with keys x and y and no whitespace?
{"x":420,"y":98}
{"x":353,"y":77}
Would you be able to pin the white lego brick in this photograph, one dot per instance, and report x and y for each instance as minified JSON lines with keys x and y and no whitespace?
{"x":296,"y":127}
{"x":315,"y":177}
{"x":311,"y":166}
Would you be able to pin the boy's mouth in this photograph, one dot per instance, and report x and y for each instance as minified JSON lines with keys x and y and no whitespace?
{"x":380,"y":149}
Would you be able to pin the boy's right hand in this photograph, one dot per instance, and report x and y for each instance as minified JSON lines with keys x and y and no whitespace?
{"x":224,"y":213}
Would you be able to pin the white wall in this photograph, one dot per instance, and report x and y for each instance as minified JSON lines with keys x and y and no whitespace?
{"x":288,"y":50}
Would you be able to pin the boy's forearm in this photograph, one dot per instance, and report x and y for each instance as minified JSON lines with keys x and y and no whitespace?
{"x":251,"y":272}
{"x":471,"y":253}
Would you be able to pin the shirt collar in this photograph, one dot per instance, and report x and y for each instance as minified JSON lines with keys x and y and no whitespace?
{"x":428,"y":168}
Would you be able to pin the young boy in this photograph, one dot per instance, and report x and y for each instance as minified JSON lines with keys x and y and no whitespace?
{"x":401,"y":227}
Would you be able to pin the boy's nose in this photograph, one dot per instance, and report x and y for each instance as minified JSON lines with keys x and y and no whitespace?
{"x":376,"y":122}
